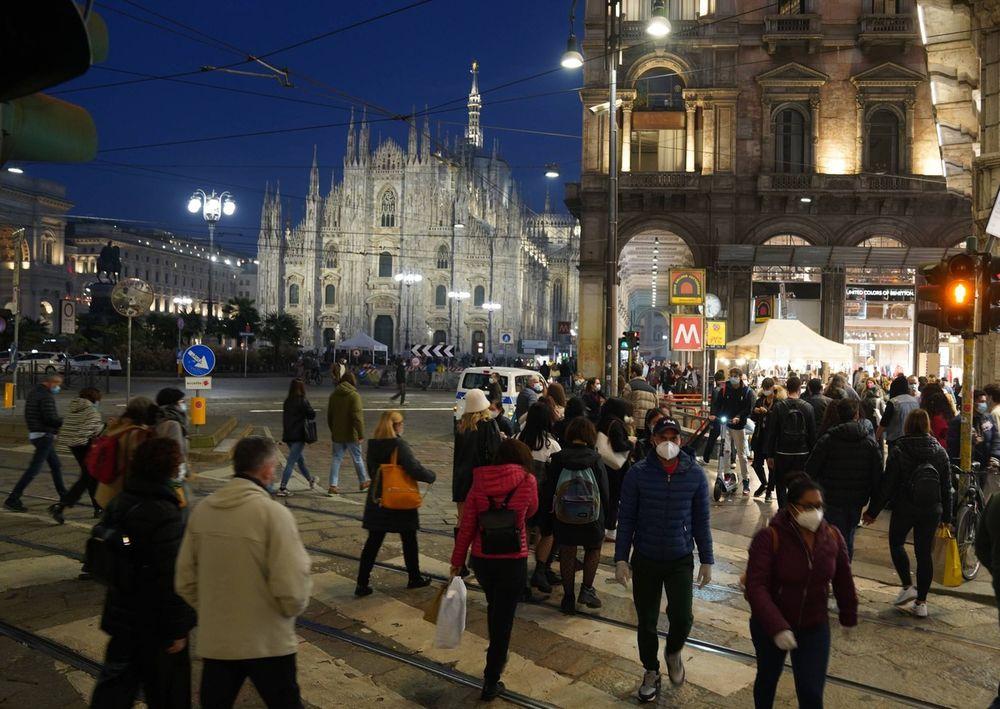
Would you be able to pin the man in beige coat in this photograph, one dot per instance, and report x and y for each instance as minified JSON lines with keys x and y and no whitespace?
{"x":243,"y":568}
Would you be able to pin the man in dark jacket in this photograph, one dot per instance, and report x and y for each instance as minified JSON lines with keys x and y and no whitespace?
{"x":988,"y":552}
{"x":735,"y":402}
{"x":662,"y":514}
{"x":817,"y":400}
{"x":528,"y":395}
{"x":400,"y":383}
{"x":147,"y":621}
{"x":44,"y":422}
{"x":847,"y":462}
{"x":791,"y":434}
{"x":714,"y":426}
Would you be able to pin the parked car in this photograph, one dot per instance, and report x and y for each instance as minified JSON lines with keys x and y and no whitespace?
{"x":47,"y":362}
{"x":91,"y":360}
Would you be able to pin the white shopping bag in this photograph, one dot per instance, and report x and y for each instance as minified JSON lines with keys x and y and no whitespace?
{"x":451,"y":616}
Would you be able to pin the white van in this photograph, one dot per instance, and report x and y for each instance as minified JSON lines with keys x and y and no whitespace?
{"x":512,"y":380}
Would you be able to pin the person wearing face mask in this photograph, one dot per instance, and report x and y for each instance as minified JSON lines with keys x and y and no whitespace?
{"x":792,"y":563}
{"x":593,"y":399}
{"x":735,"y":404}
{"x":44,"y":422}
{"x":902,"y":401}
{"x":528,"y":395}
{"x":616,"y":436}
{"x":82,"y":425}
{"x":917,"y":504}
{"x":170,"y":420}
{"x":759,"y":416}
{"x":663,"y":514}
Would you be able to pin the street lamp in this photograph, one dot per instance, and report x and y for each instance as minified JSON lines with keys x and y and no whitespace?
{"x":490,"y":307}
{"x":212,"y":207}
{"x":408,"y":279}
{"x":552,"y":170}
{"x":658,"y":25}
{"x":459,"y":296}
{"x":571,"y":58}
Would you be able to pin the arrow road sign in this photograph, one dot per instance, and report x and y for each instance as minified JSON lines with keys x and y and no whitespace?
{"x":433,"y":350}
{"x":198,"y":360}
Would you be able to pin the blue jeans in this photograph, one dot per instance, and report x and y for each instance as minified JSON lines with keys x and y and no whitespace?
{"x":295,"y":455}
{"x":45,"y":451}
{"x":846,"y":520}
{"x":338,"y":457}
{"x":809,"y":662}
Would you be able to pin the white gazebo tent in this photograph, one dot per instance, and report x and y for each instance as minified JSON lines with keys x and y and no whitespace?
{"x":779,"y":342}
{"x":364,"y":341}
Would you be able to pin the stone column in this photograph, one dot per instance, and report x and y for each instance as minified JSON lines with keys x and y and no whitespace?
{"x":832,"y":306}
{"x":708,"y":138}
{"x":766,"y":137}
{"x":859,"y":129}
{"x":626,"y":161}
{"x":814,"y":122}
{"x":689,"y":125}
{"x":590,"y":332}
{"x":907,"y":165}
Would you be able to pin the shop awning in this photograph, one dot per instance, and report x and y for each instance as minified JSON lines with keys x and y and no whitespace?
{"x":742,"y":256}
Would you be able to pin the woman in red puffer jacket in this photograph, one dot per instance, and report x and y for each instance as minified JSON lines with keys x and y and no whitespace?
{"x":792,"y":564}
{"x":508,"y":484}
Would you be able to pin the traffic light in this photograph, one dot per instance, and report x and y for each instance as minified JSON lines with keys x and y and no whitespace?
{"x":633,"y":337}
{"x":46,"y":42}
{"x":623,"y":343}
{"x":989,"y":295}
{"x":952,"y":286}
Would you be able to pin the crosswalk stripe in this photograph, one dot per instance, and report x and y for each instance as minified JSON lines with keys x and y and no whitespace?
{"x":406,"y":626}
{"x":36,"y":571}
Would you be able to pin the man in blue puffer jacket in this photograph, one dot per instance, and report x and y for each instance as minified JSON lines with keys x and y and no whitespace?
{"x":663,"y":513}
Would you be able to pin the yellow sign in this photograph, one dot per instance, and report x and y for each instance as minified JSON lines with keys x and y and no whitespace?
{"x":687,"y":286}
{"x":715,"y":334}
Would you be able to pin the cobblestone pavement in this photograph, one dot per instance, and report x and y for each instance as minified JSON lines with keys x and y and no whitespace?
{"x":950,"y":659}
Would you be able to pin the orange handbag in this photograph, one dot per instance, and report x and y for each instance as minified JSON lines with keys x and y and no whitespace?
{"x":398,"y":491}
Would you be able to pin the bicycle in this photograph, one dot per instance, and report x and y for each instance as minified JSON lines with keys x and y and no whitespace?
{"x":969,"y":506}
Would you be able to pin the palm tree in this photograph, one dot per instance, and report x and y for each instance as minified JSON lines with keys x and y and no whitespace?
{"x":237,"y":314}
{"x":280,"y":329}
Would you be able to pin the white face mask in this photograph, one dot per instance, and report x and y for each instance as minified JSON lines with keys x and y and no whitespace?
{"x":668,"y":450}
{"x":628,"y":419}
{"x":768,"y":392}
{"x":809,"y":519}
{"x":735,"y":381}
{"x":597,"y":387}
{"x":183,"y":406}
{"x":537,"y":387}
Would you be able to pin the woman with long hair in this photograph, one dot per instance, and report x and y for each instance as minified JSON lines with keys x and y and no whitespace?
{"x":131,"y":429}
{"x":477,"y":438}
{"x":612,"y":425}
{"x":387,"y":446}
{"x":941,"y":411}
{"x":502,"y":573}
{"x":593,"y":399}
{"x":556,"y":397}
{"x":574,"y":408}
{"x":916,"y":462}
{"x":579,"y":454}
{"x":537,"y":435}
{"x":296,"y":412}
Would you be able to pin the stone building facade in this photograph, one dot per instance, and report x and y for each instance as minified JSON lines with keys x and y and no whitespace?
{"x":797,"y":143}
{"x":447,"y":211}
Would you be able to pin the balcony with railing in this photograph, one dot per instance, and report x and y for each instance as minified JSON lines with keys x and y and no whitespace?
{"x":792,"y":30}
{"x":882,"y":30}
{"x":805,"y":185}
{"x":635,"y":30}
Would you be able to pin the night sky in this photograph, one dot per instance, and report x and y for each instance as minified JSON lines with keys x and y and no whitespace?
{"x":416,"y":57}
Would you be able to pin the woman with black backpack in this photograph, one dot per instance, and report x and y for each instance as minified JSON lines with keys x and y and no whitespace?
{"x":502,"y":498}
{"x":298,"y":429}
{"x":917,"y":481}
{"x":576,"y":477}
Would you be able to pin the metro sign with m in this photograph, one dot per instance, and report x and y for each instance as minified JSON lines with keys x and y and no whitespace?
{"x":687,"y":333}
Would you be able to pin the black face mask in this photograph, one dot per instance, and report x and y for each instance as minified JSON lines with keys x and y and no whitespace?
{"x":243,"y":476}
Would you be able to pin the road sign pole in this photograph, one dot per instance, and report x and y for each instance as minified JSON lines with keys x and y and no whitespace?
{"x":128,"y":361}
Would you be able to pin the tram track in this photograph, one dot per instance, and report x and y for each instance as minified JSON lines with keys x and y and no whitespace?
{"x":466,"y":680}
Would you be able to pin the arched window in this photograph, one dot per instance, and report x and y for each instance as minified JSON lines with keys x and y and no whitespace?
{"x":478,"y":296}
{"x":329,"y":294}
{"x":883,"y":142}
{"x":388,"y":208}
{"x":442,"y":257}
{"x":329,"y":335}
{"x":331,"y":256}
{"x":383,"y":330}
{"x":385,"y":265}
{"x":440,"y":296}
{"x":440,"y":337}
{"x":557,"y":298}
{"x":293,"y":294}
{"x":659,"y":89}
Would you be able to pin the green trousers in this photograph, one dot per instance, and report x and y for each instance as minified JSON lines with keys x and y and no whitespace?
{"x":649,"y":580}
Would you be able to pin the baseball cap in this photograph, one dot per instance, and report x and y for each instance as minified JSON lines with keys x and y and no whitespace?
{"x":665,"y":424}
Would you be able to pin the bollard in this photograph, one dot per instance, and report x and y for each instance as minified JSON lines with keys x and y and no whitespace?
{"x":8,"y":395}
{"x":198,"y":411}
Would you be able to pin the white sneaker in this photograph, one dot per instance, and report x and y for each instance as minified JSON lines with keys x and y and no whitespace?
{"x":919,"y":609}
{"x":701,"y":461}
{"x":831,"y":605}
{"x":610,"y":535}
{"x":282,"y":492}
{"x":905,"y":596}
{"x":649,"y":690}
{"x":675,"y":668}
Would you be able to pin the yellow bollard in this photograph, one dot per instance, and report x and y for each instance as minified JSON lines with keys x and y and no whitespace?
{"x":8,"y":395}
{"x":198,"y":410}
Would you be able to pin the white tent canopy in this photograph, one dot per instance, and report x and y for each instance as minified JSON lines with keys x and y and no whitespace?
{"x":362,"y":341}
{"x":781,"y":341}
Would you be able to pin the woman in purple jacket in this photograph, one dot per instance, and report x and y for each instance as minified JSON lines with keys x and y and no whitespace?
{"x":792,"y":563}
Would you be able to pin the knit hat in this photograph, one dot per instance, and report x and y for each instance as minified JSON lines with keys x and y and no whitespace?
{"x":475,"y":401}
{"x":169,"y":396}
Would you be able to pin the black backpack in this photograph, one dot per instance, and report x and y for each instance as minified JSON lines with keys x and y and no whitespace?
{"x":498,"y":530}
{"x":794,"y":434}
{"x":113,"y":558}
{"x":925,"y":487}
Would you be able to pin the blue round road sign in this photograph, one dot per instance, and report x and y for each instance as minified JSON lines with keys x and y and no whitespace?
{"x":198,"y":360}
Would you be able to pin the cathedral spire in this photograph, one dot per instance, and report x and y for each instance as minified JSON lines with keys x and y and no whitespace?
{"x":364,"y":138}
{"x":548,"y":202}
{"x":425,"y":139}
{"x":412,"y":146}
{"x":314,"y":177}
{"x":474,"y":134}
{"x":352,"y":151}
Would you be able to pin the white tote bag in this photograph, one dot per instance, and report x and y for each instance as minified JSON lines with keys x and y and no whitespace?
{"x":611,"y":458}
{"x":451,"y":616}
